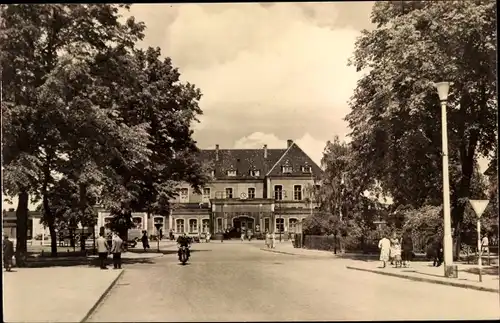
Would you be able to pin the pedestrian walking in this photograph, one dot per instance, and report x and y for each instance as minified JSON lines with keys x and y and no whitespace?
{"x":394,"y":241}
{"x":145,"y":240}
{"x":249,"y":234}
{"x":385,"y":246}
{"x":242,"y":236}
{"x":407,"y":249}
{"x":485,"y":245}
{"x":273,"y":240}
{"x":8,"y":253}
{"x":116,"y":250}
{"x":396,"y":251}
{"x":436,"y":251}
{"x":268,"y":239}
{"x":102,"y":250}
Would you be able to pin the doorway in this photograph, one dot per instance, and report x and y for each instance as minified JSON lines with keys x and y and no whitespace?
{"x":242,"y":223}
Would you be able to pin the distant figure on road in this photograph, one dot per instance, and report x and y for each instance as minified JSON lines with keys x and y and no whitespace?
{"x":407,"y":252}
{"x":268,"y":239}
{"x":208,"y":236}
{"x":249,"y":234}
{"x":394,"y":241}
{"x":8,"y":253}
{"x":273,"y":240}
{"x":145,"y":240}
{"x":242,"y":235}
{"x":102,"y":250}
{"x":116,"y":250}
{"x":385,"y":248}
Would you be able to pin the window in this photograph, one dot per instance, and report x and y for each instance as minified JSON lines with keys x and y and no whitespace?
{"x":292,"y":225}
{"x":306,"y":169}
{"x":255,"y":173}
{"x":159,"y":221}
{"x":251,"y":192}
{"x":286,"y":169}
{"x":267,"y":226}
{"x":193,"y":225}
{"x":231,"y":173}
{"x":229,"y":192}
{"x":179,"y":225}
{"x":297,"y":192}
{"x":219,"y":225}
{"x":278,"y":192}
{"x":280,"y":225}
{"x":205,"y":225}
{"x":184,"y":195}
{"x":137,"y":223}
{"x":206,"y":194}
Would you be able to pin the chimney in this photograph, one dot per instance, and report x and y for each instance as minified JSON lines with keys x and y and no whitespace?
{"x":265,"y":151}
{"x":217,"y":152}
{"x":289,"y":143}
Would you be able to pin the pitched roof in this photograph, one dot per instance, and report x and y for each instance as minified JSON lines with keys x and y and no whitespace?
{"x":244,"y":160}
{"x":295,"y":157}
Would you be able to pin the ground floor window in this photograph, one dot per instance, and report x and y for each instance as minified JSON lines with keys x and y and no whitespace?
{"x":193,"y":225}
{"x":205,"y":224}
{"x":179,"y":225}
{"x":292,"y":225}
{"x":280,"y":225}
{"x":137,"y":223}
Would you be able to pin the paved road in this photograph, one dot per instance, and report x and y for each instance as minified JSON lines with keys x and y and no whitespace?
{"x":236,"y":281}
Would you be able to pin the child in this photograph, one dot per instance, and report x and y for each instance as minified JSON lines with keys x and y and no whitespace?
{"x":397,"y":254}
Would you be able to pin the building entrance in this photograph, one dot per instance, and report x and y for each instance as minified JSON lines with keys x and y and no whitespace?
{"x":242,"y":223}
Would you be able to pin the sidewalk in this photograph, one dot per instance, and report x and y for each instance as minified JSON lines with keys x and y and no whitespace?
{"x":425,"y":272}
{"x":58,"y":294}
{"x":419,"y":271}
{"x":286,"y":247}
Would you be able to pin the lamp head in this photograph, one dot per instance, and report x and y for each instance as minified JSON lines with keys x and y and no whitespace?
{"x":443,"y":88}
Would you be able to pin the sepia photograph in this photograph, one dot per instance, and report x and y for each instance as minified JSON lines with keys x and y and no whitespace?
{"x":249,"y":161}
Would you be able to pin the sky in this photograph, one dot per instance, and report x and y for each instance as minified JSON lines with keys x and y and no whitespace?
{"x":268,"y":72}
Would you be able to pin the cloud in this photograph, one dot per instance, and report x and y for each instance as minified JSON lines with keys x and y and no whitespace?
{"x":275,"y":69}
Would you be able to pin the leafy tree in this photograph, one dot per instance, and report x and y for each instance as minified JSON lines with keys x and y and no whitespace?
{"x":395,"y":114}
{"x":153,"y":95}
{"x":38,"y":110}
{"x":344,"y":210}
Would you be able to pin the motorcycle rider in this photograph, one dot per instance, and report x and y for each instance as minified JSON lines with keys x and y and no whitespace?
{"x":183,"y":241}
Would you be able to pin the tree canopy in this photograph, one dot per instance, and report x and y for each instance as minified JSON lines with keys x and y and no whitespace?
{"x":395,"y":110}
{"x":88,"y":115}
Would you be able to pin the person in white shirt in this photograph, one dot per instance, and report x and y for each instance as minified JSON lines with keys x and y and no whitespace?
{"x":385,"y":248}
{"x":485,"y":245}
{"x":102,"y":250}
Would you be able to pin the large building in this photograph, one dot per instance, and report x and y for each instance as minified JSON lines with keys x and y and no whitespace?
{"x":258,"y":189}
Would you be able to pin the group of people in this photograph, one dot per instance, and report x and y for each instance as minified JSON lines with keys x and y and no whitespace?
{"x":116,"y":249}
{"x":246,"y":234}
{"x":270,"y":240}
{"x":397,"y":250}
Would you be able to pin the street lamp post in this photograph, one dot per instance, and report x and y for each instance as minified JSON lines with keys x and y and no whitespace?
{"x":450,"y":270}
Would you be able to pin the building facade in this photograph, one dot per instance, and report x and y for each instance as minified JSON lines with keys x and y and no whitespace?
{"x":251,"y":189}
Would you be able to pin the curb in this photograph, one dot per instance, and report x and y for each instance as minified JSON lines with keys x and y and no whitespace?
{"x":281,"y":252}
{"x":427,"y":280}
{"x":101,"y":298}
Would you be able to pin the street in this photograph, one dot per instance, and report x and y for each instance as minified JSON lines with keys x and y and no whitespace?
{"x":235,"y":281}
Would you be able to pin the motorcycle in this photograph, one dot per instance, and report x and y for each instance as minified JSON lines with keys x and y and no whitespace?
{"x":183,"y":254}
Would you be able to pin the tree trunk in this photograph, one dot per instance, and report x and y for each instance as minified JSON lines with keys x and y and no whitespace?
{"x":83,"y":208}
{"x":49,"y":218}
{"x":53,"y":240}
{"x":22,"y":228}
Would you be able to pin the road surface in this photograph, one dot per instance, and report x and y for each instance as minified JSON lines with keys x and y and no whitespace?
{"x":235,"y":281}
